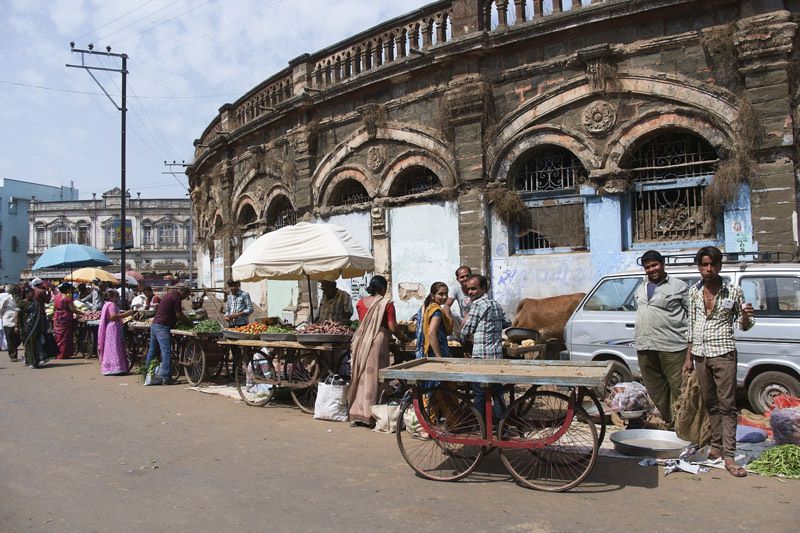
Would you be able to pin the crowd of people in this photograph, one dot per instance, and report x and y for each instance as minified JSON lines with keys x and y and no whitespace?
{"x":678,"y":330}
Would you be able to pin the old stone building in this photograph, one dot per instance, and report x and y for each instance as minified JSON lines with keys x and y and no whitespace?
{"x":159,"y":230}
{"x":543,"y":142}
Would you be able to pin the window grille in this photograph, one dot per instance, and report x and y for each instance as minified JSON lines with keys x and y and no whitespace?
{"x":669,"y":175}
{"x":281,"y":214}
{"x":168,"y":234}
{"x":415,"y":180}
{"x":553,"y":226}
{"x":349,"y":192}
{"x":550,"y":169}
{"x":62,"y":235}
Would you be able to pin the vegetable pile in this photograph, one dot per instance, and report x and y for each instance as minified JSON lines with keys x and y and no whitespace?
{"x":91,"y":315}
{"x":279,"y":329}
{"x":329,"y":327}
{"x":785,"y":424}
{"x":207,"y":326}
{"x":253,"y":328}
{"x":782,"y":461}
{"x":630,"y":396}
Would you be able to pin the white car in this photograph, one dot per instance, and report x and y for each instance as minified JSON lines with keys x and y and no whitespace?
{"x":601,"y":327}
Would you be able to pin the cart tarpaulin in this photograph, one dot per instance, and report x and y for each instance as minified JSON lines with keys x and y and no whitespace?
{"x":316,"y":251}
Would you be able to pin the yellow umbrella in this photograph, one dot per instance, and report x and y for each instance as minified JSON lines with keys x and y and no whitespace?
{"x":89,"y":273}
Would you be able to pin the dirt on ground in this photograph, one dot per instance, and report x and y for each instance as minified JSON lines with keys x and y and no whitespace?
{"x":84,"y":452}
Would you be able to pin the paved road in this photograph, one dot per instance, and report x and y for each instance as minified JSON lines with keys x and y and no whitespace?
{"x":82,"y":452}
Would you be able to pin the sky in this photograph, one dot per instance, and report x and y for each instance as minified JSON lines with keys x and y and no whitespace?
{"x":186,"y":59}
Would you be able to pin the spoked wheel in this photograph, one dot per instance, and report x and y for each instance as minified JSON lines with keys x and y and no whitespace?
{"x":193,"y":361}
{"x":589,"y":395}
{"x":303,"y":376}
{"x":448,"y":414}
{"x":570,"y":442}
{"x":255,"y":380}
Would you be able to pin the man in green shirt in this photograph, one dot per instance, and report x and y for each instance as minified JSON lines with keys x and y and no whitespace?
{"x":662,"y":303}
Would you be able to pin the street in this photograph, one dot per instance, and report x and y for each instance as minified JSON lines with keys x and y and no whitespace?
{"x":83,"y":452}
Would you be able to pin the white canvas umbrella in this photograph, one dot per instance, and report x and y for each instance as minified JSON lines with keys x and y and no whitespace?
{"x":311,"y":251}
{"x":316,"y":251}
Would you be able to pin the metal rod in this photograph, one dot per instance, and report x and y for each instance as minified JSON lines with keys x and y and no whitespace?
{"x":310,"y":300}
{"x":124,"y":299}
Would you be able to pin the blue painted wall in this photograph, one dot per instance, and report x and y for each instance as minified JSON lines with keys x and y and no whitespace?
{"x":15,"y":198}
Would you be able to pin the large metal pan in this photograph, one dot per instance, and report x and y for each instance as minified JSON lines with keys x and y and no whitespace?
{"x":649,"y":443}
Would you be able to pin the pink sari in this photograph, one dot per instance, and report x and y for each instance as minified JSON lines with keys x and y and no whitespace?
{"x":110,"y":346}
{"x":63,"y":326}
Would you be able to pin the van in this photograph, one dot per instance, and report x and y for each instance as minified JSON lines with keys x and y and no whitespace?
{"x":602,"y":326}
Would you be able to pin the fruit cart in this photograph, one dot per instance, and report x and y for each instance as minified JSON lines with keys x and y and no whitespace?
{"x":545,"y":437}
{"x":295,"y":365}
{"x":199,"y":355}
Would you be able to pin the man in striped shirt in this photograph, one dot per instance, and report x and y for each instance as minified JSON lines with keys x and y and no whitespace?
{"x":714,"y":305}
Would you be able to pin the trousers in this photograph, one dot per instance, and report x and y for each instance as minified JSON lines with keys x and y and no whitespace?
{"x":661,"y":373}
{"x":717,"y":377}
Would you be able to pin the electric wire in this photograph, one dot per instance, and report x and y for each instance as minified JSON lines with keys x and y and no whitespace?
{"x":114,"y":19}
{"x":154,"y":26}
{"x":95,"y":93}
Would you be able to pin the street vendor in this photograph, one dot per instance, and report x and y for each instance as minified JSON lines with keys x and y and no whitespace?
{"x":146,"y":300}
{"x":336,"y":304}
{"x":94,"y":299}
{"x":485,"y":321}
{"x":238,"y":306}
{"x":168,"y":315}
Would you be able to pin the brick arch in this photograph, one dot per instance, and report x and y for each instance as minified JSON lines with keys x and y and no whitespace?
{"x":273,"y":192}
{"x":414,"y":158}
{"x":341,"y":174}
{"x":575,"y":143}
{"x":241,"y":203}
{"x":716,"y":106}
{"x":426,"y":140}
{"x":628,"y":140}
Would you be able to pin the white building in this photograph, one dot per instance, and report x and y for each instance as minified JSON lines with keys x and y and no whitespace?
{"x":160,"y":230}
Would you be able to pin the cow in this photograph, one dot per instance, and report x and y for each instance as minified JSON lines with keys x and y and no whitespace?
{"x":548,"y":316}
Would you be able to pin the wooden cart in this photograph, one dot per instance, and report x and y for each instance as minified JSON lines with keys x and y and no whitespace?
{"x":546,"y":439}
{"x":293,"y":365}
{"x":199,"y":355}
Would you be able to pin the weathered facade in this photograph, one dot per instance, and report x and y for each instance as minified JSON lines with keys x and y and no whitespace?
{"x":545,"y":143}
{"x":159,"y":229}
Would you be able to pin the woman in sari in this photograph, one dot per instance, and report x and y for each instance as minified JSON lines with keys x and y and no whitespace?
{"x":370,"y":350}
{"x":434,"y":324}
{"x":110,"y":344}
{"x":32,"y":324}
{"x":64,"y":312}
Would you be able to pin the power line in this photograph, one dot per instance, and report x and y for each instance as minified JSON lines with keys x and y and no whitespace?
{"x":137,"y":21}
{"x":154,"y":26}
{"x":114,"y":20}
{"x":94,"y":93}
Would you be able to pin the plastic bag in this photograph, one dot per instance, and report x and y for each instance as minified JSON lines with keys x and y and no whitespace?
{"x":785,"y":424}
{"x":630,"y":396}
{"x":331,"y":401}
{"x":386,"y":416}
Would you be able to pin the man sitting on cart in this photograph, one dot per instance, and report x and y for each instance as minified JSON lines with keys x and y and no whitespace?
{"x":336,"y":304}
{"x":238,"y":306}
{"x":485,"y":321}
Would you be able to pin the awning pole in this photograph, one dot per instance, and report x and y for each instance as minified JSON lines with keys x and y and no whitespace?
{"x":310,"y":300}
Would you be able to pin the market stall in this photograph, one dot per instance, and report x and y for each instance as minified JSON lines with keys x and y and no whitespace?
{"x":546,"y":439}
{"x":302,"y":251}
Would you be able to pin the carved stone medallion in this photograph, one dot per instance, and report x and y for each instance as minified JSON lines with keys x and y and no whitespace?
{"x":599,"y":117}
{"x":375,"y":157}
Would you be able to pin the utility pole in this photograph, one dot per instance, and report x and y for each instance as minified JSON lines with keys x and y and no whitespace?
{"x":183,"y":165}
{"x":122,"y":108}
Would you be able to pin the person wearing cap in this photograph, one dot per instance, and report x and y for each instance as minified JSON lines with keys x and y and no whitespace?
{"x":64,"y":312}
{"x":238,"y":306}
{"x":660,"y":335}
{"x":168,"y":315}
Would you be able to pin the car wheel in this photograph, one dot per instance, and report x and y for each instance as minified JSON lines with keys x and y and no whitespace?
{"x":620,"y":373}
{"x":767,"y":385}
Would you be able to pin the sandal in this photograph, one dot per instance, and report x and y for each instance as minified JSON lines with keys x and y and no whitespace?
{"x":714,"y":455}
{"x":734,"y":469}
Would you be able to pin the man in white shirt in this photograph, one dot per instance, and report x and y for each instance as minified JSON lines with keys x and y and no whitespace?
{"x":458,"y":294}
{"x":8,"y":315}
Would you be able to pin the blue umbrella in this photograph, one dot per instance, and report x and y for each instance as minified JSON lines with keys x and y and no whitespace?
{"x":71,"y":256}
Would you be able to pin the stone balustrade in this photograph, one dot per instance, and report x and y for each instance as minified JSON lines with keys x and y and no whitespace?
{"x":88,"y":205}
{"x":500,"y":14}
{"x":263,"y":98}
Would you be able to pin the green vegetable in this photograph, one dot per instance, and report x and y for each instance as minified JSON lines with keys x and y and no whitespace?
{"x":207,"y":326}
{"x":280,"y":329}
{"x":783,"y":461}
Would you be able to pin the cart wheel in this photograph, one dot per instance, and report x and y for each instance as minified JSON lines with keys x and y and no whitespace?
{"x":193,"y":360}
{"x":255,"y":380}
{"x":450,"y":414}
{"x":303,"y":377}
{"x":590,"y":394}
{"x":560,"y":462}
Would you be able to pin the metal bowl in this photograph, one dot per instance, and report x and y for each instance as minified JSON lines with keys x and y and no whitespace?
{"x":649,"y":443}
{"x":521,"y":334}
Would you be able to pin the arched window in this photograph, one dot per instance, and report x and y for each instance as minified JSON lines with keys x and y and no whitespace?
{"x":41,"y":236}
{"x":669,"y":175}
{"x":61,"y":234}
{"x":147,"y":232}
{"x":548,"y":178}
{"x":247,"y":216}
{"x":83,"y":233}
{"x":414,"y":180}
{"x":280,"y":213}
{"x":349,"y":192}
